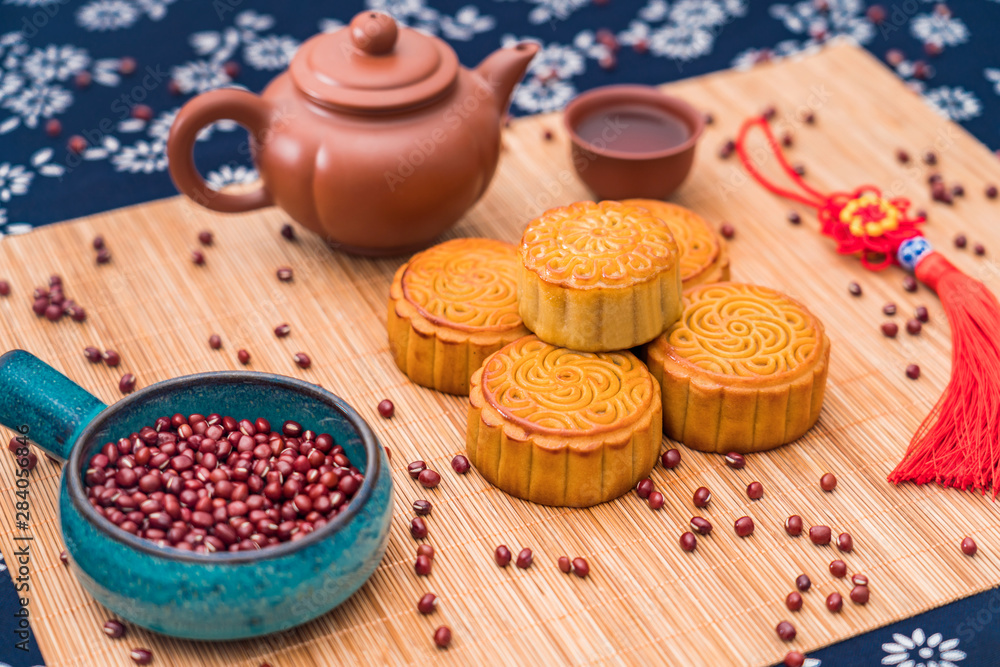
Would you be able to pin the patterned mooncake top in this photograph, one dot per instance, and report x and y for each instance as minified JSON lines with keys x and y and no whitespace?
{"x":697,"y":243}
{"x":587,"y":245}
{"x":465,"y":284}
{"x":743,"y":330}
{"x":552,"y":390}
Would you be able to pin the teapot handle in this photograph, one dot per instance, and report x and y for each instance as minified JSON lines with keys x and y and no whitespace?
{"x":245,"y":108}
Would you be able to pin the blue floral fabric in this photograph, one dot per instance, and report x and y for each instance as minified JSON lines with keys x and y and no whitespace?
{"x":70,"y":62}
{"x":182,"y":47}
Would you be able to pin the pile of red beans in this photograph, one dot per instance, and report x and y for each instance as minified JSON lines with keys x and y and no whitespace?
{"x":209,"y":484}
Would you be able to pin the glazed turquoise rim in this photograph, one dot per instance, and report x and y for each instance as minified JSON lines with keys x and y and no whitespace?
{"x":373,"y":467}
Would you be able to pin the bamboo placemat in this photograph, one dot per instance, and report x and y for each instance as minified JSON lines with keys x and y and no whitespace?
{"x":645,"y":601}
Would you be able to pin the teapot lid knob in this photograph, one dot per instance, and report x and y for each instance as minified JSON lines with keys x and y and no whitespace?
{"x":374,"y":33}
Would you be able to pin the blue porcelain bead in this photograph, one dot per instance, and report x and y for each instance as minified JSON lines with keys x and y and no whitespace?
{"x":912,"y":250}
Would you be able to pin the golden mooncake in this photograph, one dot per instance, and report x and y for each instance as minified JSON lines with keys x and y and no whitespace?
{"x":704,"y":255}
{"x":598,"y":277}
{"x":450,"y":307}
{"x":562,"y":427}
{"x":743,"y":370}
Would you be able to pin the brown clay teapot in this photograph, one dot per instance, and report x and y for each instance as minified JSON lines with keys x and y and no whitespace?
{"x":375,"y":137}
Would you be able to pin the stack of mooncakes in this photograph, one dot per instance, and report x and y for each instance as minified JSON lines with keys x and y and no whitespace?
{"x":569,"y":415}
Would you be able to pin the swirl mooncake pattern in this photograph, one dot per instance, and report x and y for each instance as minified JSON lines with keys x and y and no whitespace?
{"x":450,"y":307}
{"x":598,"y":277}
{"x":704,"y":255}
{"x":562,"y":427}
{"x":466,"y":284}
{"x":743,"y":370}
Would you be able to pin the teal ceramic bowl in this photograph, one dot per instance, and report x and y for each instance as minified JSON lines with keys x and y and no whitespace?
{"x":217,"y":596}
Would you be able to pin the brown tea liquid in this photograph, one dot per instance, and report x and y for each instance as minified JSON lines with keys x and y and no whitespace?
{"x":633,"y":128}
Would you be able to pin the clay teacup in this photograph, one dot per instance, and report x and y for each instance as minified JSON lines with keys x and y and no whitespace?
{"x":632,"y":141}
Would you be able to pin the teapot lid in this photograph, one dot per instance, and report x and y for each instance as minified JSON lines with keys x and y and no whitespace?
{"x":374,"y":65}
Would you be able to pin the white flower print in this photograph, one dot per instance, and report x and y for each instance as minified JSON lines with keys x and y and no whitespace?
{"x":271,"y":52}
{"x":735,"y":7}
{"x":939,"y":30}
{"x":145,"y":157}
{"x":205,"y":42}
{"x":587,"y":43}
{"x":919,"y":650}
{"x":554,"y":10}
{"x":12,"y":48}
{"x":198,"y":76}
{"x":956,"y":103}
{"x":466,"y":24}
{"x":688,"y":29}
{"x":105,"y":15}
{"x":844,"y":17}
{"x":535,"y":96}
{"x":3,"y":221}
{"x":812,"y":662}
{"x":154,"y":9}
{"x":681,"y":42}
{"x":655,"y":10}
{"x":330,"y":25}
{"x":637,"y":31}
{"x":254,"y":22}
{"x":55,"y":63}
{"x":231,"y":175}
{"x":17,"y":228}
{"x":10,"y":84}
{"x":553,"y":60}
{"x":159,"y":127}
{"x":14,"y":180}
{"x":408,"y":12}
{"x":105,"y":71}
{"x":991,"y":74}
{"x":698,"y":13}
{"x":131,"y":125}
{"x":39,"y":101}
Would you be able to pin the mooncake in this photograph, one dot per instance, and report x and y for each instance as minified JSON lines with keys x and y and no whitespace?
{"x":562,"y":427}
{"x":743,"y":370}
{"x":598,"y":277}
{"x":450,"y":307}
{"x":704,"y":255}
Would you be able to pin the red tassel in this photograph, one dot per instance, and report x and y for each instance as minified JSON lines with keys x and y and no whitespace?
{"x":958,"y":442}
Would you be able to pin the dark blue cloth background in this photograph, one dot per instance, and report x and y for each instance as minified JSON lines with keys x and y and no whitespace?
{"x":46,"y":44}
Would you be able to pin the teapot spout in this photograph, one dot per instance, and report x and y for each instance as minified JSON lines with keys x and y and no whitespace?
{"x":503,"y":68}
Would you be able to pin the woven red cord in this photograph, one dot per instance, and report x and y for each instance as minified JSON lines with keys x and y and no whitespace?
{"x":819,"y":199}
{"x":876,"y":252}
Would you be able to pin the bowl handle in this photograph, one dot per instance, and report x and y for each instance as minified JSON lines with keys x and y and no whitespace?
{"x":245,"y":108}
{"x":42,"y":404}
